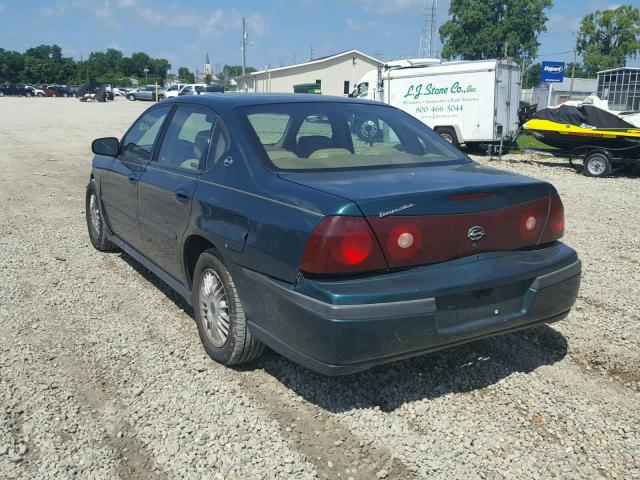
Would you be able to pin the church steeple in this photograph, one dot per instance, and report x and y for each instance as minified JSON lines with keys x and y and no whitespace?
{"x":207,"y":65}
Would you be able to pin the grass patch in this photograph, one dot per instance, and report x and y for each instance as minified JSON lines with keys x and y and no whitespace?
{"x":527,"y":141}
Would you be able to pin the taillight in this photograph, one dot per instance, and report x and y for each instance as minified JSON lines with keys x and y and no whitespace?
{"x":340,"y":245}
{"x":554,"y":228}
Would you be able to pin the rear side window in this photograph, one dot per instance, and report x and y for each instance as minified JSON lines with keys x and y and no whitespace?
{"x":187,"y":139}
{"x":139,"y":140}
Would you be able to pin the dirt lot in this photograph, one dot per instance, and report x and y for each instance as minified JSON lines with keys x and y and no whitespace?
{"x":102,"y":374}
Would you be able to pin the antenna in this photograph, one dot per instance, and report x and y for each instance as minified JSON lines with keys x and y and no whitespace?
{"x":427,"y":37}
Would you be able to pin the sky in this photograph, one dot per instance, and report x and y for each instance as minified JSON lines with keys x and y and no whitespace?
{"x":282,"y":32}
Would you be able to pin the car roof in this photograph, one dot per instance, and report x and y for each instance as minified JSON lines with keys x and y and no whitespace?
{"x":232,"y":100}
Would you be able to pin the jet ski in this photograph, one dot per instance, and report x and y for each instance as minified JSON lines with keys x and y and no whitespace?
{"x":588,"y":124}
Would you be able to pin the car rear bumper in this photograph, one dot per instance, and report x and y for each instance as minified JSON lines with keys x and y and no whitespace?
{"x":345,"y":326}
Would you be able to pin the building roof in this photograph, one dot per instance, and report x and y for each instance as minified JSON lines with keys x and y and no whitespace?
{"x":313,"y":62}
{"x":619,"y":69}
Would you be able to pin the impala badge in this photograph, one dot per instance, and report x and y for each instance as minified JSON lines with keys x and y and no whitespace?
{"x":476,"y":233}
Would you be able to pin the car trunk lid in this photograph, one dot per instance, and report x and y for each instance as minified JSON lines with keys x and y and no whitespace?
{"x":431,"y":214}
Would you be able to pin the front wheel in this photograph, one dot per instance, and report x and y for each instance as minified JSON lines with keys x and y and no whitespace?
{"x":40,"y":95}
{"x":95,"y":223}
{"x":65,"y":95}
{"x":131,"y":97}
{"x":597,"y":165}
{"x":222,"y":325}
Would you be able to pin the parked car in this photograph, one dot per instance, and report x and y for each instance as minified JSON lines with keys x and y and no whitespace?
{"x":210,"y":89}
{"x":58,"y":91}
{"x":280,"y":226}
{"x":17,"y":90}
{"x":38,"y":92}
{"x":146,"y":93}
{"x":173,"y":90}
{"x":95,"y":91}
{"x":190,"y":88}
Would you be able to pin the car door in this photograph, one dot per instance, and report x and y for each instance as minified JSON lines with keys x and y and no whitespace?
{"x":168,"y":183}
{"x":119,"y":182}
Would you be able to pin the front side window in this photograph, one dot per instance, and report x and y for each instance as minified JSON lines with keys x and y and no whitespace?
{"x":363,"y":88}
{"x":138,"y":142}
{"x":327,"y":135}
{"x":186,"y":141}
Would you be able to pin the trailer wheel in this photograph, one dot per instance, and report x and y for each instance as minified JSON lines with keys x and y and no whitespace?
{"x":448,"y":134}
{"x":597,"y":165}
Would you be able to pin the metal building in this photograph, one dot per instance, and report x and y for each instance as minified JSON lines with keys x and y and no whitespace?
{"x":562,"y":92}
{"x":621,"y":88}
{"x":335,"y":74}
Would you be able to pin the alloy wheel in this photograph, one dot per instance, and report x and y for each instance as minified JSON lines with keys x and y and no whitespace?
{"x":214,"y":307}
{"x":94,"y":215}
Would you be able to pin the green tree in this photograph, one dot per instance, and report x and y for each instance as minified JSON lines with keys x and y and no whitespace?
{"x":207,"y":79}
{"x":11,"y":66}
{"x":493,"y":29}
{"x":231,"y":71}
{"x":608,"y":38}
{"x":531,"y":76}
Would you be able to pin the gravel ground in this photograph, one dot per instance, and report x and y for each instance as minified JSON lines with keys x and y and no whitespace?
{"x":102,"y":374}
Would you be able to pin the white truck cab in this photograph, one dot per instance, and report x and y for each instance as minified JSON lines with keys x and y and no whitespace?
{"x":469,"y":102}
{"x":173,"y":90}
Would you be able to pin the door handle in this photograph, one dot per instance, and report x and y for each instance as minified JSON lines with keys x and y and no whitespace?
{"x":182,"y":195}
{"x":133,"y":179}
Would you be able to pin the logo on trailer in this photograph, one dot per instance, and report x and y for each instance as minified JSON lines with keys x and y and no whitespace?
{"x":476,"y":233}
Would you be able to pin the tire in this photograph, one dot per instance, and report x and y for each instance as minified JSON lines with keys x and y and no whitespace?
{"x":237,"y":345}
{"x":28,"y":94}
{"x":95,"y":222}
{"x":1,"y":94}
{"x":448,"y":134}
{"x":597,"y":165}
{"x":368,"y":129}
{"x":40,"y":95}
{"x":65,"y":95}
{"x":131,"y":97}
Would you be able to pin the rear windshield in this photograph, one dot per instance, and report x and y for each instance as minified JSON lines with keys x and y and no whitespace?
{"x":325,"y":135}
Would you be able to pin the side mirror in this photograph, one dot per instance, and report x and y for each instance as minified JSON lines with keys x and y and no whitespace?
{"x":109,"y":146}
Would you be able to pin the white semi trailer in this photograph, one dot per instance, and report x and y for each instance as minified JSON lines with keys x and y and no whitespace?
{"x":469,"y":102}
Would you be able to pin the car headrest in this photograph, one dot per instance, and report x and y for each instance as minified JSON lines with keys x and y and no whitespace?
{"x":309,"y":144}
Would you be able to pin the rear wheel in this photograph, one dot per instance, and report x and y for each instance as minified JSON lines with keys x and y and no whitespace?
{"x":597,"y":165}
{"x":448,"y":134}
{"x":131,"y":97}
{"x":65,"y":95}
{"x":1,"y":94}
{"x":28,"y":94}
{"x":40,"y":95}
{"x":222,"y":325}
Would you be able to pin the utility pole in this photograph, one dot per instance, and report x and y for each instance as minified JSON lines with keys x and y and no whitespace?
{"x":244,"y":46}
{"x":573,"y":65}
